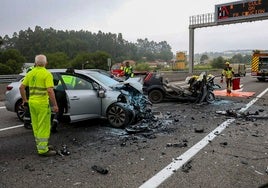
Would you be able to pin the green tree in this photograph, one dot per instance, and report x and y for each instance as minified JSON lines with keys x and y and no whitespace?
{"x":238,"y":58}
{"x":4,"y":69}
{"x":31,"y":42}
{"x":1,"y":41}
{"x":58,"y":60}
{"x":218,"y":63}
{"x":247,"y":59}
{"x":13,"y":59}
{"x":96,"y":60}
{"x":142,"y":67}
{"x":203,"y":59}
{"x":82,"y":59}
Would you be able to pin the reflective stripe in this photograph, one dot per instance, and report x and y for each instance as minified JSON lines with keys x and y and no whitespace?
{"x":38,"y":91}
{"x":41,"y":147}
{"x":41,"y":139}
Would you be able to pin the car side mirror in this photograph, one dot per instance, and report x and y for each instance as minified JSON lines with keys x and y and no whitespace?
{"x":96,"y":86}
{"x":101,"y":93}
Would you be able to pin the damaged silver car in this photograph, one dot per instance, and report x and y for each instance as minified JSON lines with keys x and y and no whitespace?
{"x":86,"y":94}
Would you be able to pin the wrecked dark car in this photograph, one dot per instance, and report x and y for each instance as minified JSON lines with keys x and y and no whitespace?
{"x":86,"y":94}
{"x":196,"y":88}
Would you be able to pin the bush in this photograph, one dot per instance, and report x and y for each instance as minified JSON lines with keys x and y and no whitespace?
{"x":4,"y":69}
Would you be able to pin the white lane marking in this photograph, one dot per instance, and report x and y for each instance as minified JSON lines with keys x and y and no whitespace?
{"x":14,"y":127}
{"x":253,"y":101}
{"x":170,"y":169}
{"x":2,"y":107}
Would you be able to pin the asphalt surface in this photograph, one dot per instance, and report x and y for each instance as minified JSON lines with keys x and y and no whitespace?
{"x":236,"y":157}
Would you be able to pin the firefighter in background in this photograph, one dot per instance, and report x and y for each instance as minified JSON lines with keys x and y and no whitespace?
{"x":128,"y":71}
{"x":228,"y":73}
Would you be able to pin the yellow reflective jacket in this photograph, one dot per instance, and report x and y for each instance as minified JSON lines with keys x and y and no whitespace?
{"x":128,"y":71}
{"x":228,"y":72}
{"x":38,"y":80}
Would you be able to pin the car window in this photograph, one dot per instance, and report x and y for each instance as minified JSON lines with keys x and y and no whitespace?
{"x":73,"y":82}
{"x":82,"y":84}
{"x":108,"y":81}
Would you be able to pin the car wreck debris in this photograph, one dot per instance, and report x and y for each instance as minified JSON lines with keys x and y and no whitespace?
{"x":249,"y":116}
{"x":186,"y":167}
{"x":150,"y":124}
{"x":99,"y":169}
{"x":64,"y":151}
{"x":178,"y":145}
{"x":199,"y":130}
{"x":196,"y":89}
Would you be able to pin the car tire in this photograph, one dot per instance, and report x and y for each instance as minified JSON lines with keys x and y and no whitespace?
{"x":156,"y":96}
{"x":118,"y":116}
{"x":210,"y":98}
{"x":20,"y":111}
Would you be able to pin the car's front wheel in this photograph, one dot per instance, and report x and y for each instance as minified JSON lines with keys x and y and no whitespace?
{"x":20,"y":111}
{"x":118,"y":116}
{"x":156,"y":96}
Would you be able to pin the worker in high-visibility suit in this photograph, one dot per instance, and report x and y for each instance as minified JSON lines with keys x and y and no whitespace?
{"x":40,"y":82}
{"x":128,"y":71}
{"x":228,"y":73}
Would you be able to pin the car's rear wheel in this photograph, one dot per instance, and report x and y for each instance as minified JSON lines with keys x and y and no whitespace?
{"x":118,"y":116}
{"x":20,"y":111}
{"x":156,"y":96}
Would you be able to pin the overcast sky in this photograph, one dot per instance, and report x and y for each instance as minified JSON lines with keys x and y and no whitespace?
{"x":157,"y":20}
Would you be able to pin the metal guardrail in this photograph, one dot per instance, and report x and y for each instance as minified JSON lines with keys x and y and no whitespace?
{"x":8,"y":78}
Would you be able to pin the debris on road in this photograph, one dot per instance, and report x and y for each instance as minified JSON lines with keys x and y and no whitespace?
{"x":199,"y":130}
{"x":151,"y":125}
{"x":187,"y":166}
{"x":223,"y":144}
{"x":99,"y":169}
{"x":177,"y":145}
{"x":249,"y":116}
{"x":64,"y":151}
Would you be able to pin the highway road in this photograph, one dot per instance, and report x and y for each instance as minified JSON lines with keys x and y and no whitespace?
{"x":190,"y":145}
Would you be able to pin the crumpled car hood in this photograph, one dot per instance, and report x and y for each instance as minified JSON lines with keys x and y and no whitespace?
{"x":134,"y":82}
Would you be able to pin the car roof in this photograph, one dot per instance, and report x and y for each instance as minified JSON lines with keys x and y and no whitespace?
{"x":84,"y":71}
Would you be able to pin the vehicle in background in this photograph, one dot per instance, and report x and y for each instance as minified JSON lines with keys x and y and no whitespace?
{"x":117,"y":71}
{"x":259,"y":65}
{"x":239,"y":69}
{"x":89,"y":95}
